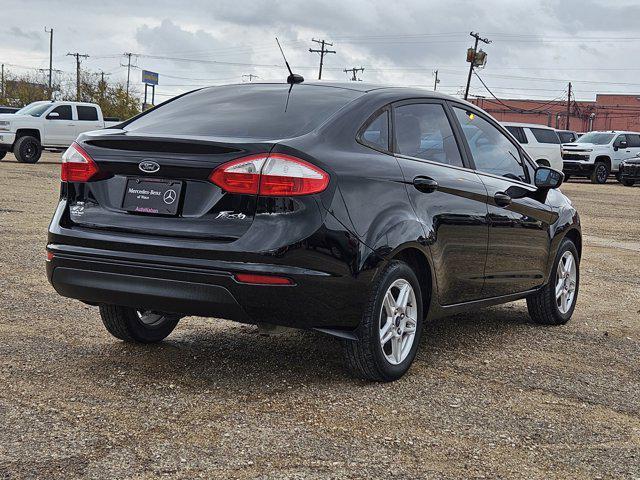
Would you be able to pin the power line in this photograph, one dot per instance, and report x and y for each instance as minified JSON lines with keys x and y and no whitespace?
{"x":472,"y":61}
{"x":323,"y":51}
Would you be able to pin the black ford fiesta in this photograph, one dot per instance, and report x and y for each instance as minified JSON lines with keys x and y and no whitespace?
{"x":354,"y":210}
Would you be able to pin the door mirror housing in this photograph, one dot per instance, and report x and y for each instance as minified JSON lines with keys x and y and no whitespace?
{"x":547,"y":178}
{"x":622,"y":144}
{"x":53,"y":116}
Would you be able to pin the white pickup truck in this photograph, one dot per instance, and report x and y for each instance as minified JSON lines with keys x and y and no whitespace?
{"x":47,"y":126}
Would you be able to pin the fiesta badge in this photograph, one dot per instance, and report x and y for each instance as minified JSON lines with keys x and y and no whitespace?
{"x":147,"y":166}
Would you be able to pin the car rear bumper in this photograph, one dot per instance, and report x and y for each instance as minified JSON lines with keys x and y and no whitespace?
{"x":189,"y":286}
{"x":577,"y":168}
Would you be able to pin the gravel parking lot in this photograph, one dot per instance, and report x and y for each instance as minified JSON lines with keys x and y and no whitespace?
{"x":489,"y":396}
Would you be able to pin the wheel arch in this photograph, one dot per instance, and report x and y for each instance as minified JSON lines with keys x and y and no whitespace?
{"x":24,"y":132}
{"x":575,"y":236}
{"x":604,"y":158}
{"x":420,"y":263}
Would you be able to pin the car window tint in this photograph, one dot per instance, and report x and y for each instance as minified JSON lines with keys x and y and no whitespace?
{"x":87,"y":113}
{"x":260,"y":111}
{"x":620,"y":139}
{"x":64,"y":111}
{"x":422,"y":130}
{"x":633,"y":140}
{"x":544,"y":135}
{"x":492,"y":151}
{"x":518,"y":132}
{"x":567,"y":137}
{"x":377,"y":133}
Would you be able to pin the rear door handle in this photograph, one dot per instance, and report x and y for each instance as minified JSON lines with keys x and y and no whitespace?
{"x":502,"y":199}
{"x":425,"y":184}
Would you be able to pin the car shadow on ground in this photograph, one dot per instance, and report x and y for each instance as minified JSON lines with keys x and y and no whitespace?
{"x":238,"y":355}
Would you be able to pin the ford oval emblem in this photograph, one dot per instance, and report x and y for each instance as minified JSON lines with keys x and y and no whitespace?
{"x":147,"y":166}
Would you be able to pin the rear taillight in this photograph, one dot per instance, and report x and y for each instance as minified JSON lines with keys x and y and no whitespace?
{"x":256,"y":279}
{"x":274,"y":175}
{"x":77,"y":165}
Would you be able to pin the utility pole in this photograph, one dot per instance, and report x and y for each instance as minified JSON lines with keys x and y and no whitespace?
{"x":323,"y":51}
{"x":78,"y":57}
{"x":436,"y":81}
{"x":128,"y":54}
{"x":2,"y":80}
{"x":250,"y":76}
{"x":472,"y":63}
{"x":353,"y":71}
{"x":50,"y":32}
{"x":568,"y":106}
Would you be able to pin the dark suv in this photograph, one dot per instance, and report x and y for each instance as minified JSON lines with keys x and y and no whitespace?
{"x":354,"y":210}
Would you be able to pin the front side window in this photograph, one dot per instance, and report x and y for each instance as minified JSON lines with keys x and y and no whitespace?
{"x":87,"y":113}
{"x":377,"y":133}
{"x":492,"y":151}
{"x":64,"y":111}
{"x":619,"y":140}
{"x":422,"y":130}
{"x":633,"y":140}
{"x":544,"y":135}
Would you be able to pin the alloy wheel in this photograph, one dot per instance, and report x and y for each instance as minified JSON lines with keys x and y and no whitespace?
{"x":398,"y":321}
{"x":149,"y":317}
{"x":566,"y":282}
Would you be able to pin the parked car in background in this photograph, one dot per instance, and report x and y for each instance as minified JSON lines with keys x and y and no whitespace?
{"x":8,"y":109}
{"x":629,"y":173}
{"x":596,"y":154}
{"x":540,"y":142}
{"x":567,"y":136}
{"x":47,"y":125}
{"x":357,"y":211}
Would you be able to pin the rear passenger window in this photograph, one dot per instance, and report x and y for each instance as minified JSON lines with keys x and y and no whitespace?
{"x":422,"y":130}
{"x":376,"y":134}
{"x":544,"y":135}
{"x":87,"y":113}
{"x":492,"y":151}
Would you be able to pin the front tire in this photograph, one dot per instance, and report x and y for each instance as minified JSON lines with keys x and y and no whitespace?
{"x":390,"y":330}
{"x":27,"y":149}
{"x":627,"y":183}
{"x":2,"y":154}
{"x":567,"y":177}
{"x":139,"y":326}
{"x":600,"y":173}
{"x":555,"y":302}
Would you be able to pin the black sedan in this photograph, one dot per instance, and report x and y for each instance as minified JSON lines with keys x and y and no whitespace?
{"x":355,"y":210}
{"x":629,"y":171}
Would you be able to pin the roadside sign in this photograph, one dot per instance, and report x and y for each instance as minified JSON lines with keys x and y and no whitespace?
{"x":150,"y":78}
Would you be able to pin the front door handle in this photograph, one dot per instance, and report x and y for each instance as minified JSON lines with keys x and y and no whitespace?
{"x":425,"y":184}
{"x":502,"y":199}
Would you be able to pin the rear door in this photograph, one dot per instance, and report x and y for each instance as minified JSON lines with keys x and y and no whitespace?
{"x":519,"y":239}
{"x":448,"y":197}
{"x":88,"y":119}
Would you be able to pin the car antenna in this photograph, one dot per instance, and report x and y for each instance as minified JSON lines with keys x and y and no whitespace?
{"x":293,"y":77}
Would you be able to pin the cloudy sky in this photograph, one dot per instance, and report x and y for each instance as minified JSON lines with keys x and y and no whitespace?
{"x":537,"y":47}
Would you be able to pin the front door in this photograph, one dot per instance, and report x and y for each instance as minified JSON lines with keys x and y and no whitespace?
{"x":621,"y":151}
{"x":448,"y":198}
{"x":60,"y":129}
{"x":519,"y":238}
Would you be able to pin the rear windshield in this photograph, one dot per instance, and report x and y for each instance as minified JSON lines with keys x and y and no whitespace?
{"x":246,"y":111}
{"x":545,"y":136}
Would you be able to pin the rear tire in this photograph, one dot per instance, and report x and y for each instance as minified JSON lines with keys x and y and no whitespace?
{"x":132,"y":325}
{"x":567,"y":177}
{"x":600,"y":173}
{"x":371,"y":357}
{"x":627,"y":183}
{"x":27,"y":149}
{"x":545,"y":306}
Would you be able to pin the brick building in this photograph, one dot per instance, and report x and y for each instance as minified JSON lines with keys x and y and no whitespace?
{"x":608,"y":112}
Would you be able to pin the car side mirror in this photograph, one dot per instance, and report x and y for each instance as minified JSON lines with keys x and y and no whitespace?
{"x":547,"y":178}
{"x":622,"y":144}
{"x":53,"y":116}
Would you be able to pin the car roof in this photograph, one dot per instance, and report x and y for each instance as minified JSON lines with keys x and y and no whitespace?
{"x":613,"y":131}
